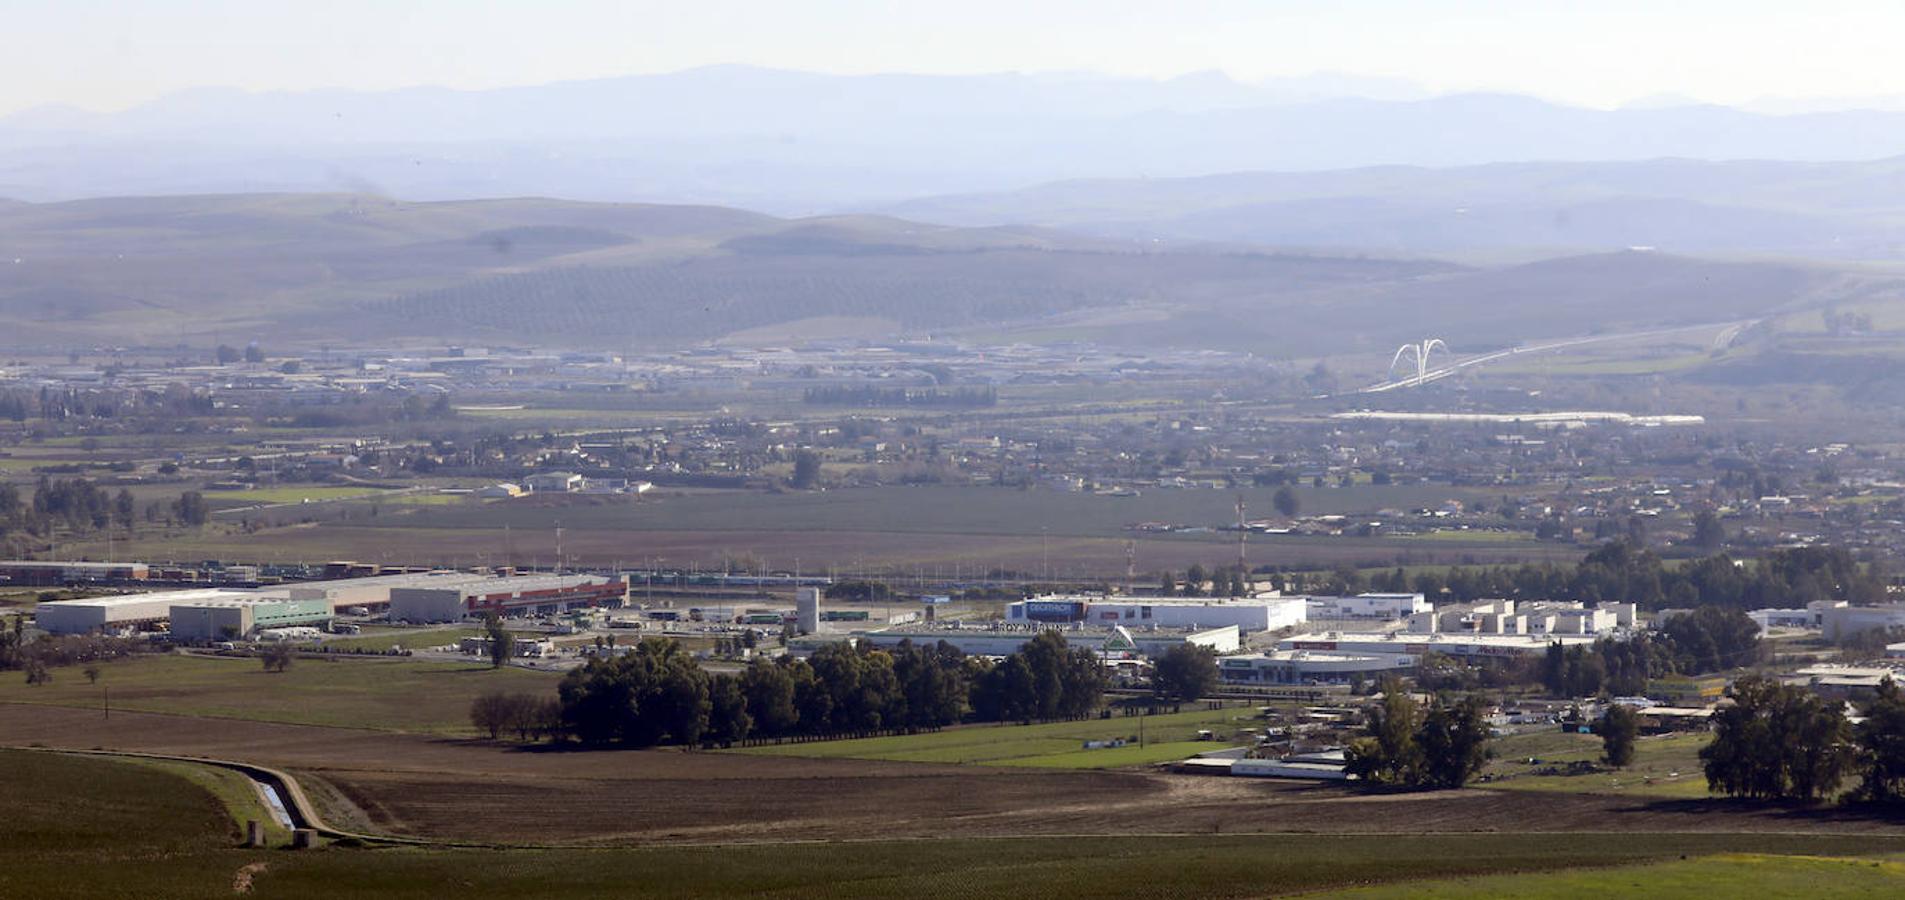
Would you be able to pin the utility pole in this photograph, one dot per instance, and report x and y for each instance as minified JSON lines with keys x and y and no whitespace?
{"x":1242,"y":531}
{"x":1130,"y":565}
{"x":1046,"y":550}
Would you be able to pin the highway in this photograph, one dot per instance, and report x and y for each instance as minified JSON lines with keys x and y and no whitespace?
{"x":1729,"y":331}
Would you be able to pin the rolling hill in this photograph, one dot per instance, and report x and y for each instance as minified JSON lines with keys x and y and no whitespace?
{"x":307,"y":269}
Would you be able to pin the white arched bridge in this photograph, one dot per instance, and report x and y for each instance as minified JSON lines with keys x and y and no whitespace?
{"x":1421,"y":354}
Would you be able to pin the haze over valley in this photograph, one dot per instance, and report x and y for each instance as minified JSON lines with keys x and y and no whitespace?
{"x":899,"y":449}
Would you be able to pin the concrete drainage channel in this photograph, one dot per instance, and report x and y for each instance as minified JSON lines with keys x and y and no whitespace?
{"x":282,"y":796}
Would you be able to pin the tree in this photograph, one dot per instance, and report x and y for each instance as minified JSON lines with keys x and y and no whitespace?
{"x":728,"y":719}
{"x":501,"y":644}
{"x":806,"y":469}
{"x":1777,"y":742}
{"x":191,"y":508}
{"x":1403,"y":747}
{"x":489,"y":713}
{"x":935,"y":684}
{"x":277,"y":657}
{"x":1454,"y":742}
{"x":1388,"y":754}
{"x":124,"y":508}
{"x":859,"y":591}
{"x":1708,"y":532}
{"x":1186,"y":672}
{"x":1712,"y":639}
{"x":1881,"y":745}
{"x":769,"y":690}
{"x":1045,"y":679}
{"x":523,"y":715}
{"x":1286,"y":502}
{"x":526,"y":714}
{"x":1194,"y":580}
{"x":1618,"y":728}
{"x":227,"y":354}
{"x":643,"y":698}
{"x":253,"y":354}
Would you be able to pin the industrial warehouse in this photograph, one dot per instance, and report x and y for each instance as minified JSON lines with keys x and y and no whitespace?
{"x":224,"y":613}
{"x":1248,"y":614}
{"x":1003,"y":639}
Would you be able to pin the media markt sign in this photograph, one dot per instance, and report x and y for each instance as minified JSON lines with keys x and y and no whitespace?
{"x":1120,"y":641}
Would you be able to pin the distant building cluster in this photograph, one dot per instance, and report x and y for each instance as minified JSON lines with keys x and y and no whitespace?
{"x":227,"y":613}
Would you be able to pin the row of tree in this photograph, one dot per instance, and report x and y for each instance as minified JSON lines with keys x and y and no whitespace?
{"x":81,"y":505}
{"x":1218,"y":581}
{"x":1622,"y":570}
{"x":530,"y":716}
{"x":1782,"y":742}
{"x":54,"y":405}
{"x":657,"y":693}
{"x":1708,"y":639}
{"x":38,"y":657}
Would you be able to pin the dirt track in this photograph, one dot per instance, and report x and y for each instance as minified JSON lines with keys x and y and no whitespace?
{"x":449,"y":789}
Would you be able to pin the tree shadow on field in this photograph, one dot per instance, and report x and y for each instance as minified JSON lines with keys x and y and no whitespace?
{"x":1788,"y":814}
{"x":511,"y":745}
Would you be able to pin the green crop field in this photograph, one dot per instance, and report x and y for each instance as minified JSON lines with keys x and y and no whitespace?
{"x":294,"y":494}
{"x":411,"y":638}
{"x":421,"y":499}
{"x":1473,"y":536}
{"x":386,"y":694}
{"x":1056,"y":745}
{"x":234,"y":793}
{"x":1664,"y":765}
{"x":1721,"y":875}
{"x":931,"y":509}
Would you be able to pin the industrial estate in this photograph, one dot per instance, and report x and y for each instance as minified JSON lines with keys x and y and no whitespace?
{"x":432,"y":608}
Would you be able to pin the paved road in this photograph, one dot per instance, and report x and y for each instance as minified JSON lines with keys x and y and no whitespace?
{"x":1728,"y":333}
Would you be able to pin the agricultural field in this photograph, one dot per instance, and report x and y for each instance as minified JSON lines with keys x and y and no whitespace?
{"x":83,"y":827}
{"x":937,"y":510}
{"x":1664,"y":765}
{"x":410,"y":638}
{"x":1057,"y":745}
{"x":311,"y":493}
{"x":1069,"y":535}
{"x":1473,"y":536}
{"x":385,"y":694}
{"x":1720,"y":875}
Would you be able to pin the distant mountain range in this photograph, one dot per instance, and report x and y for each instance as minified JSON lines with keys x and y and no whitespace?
{"x":1848,"y":211}
{"x":793,"y":143}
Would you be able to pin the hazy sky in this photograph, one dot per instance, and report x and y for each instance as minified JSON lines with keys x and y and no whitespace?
{"x":107,"y":55}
